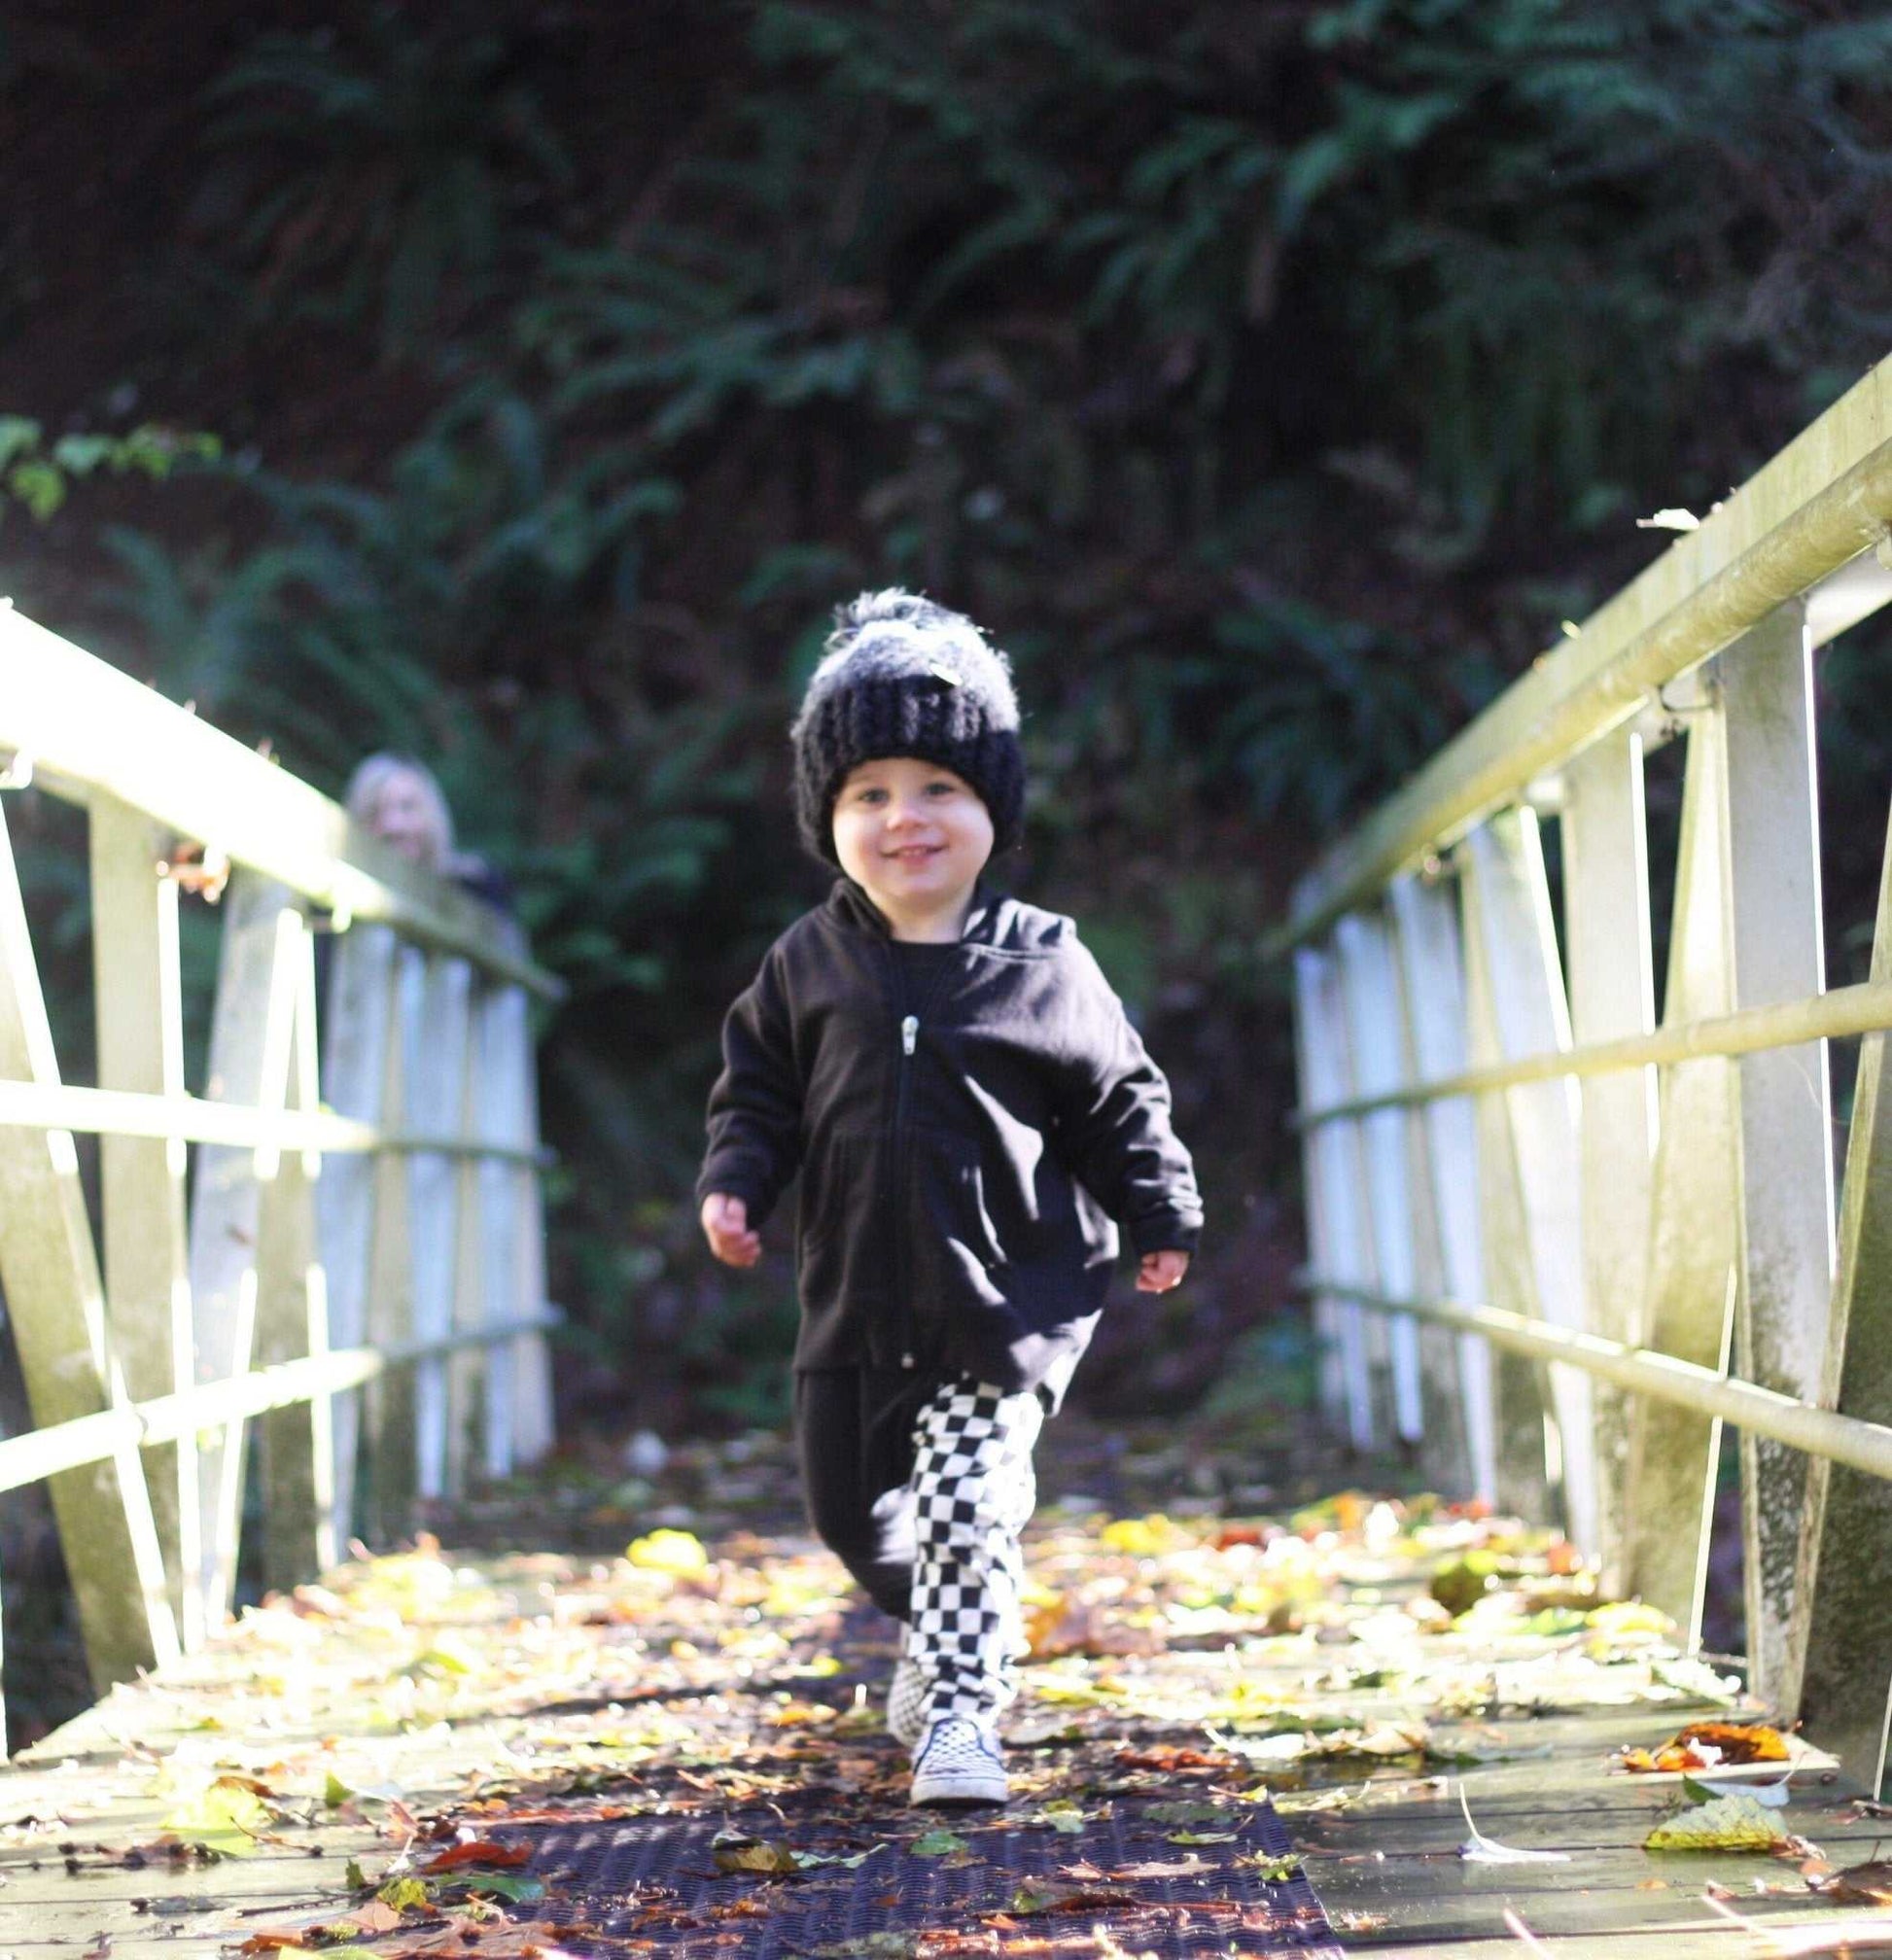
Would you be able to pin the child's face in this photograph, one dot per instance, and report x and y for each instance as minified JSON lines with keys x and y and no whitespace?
{"x":914,"y":837}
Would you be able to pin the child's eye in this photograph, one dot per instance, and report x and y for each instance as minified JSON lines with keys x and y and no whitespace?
{"x":942,"y":788}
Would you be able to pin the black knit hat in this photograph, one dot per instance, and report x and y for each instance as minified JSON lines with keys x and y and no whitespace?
{"x":903,"y":676}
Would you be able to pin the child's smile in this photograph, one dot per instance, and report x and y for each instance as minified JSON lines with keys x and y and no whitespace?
{"x":914,"y":837}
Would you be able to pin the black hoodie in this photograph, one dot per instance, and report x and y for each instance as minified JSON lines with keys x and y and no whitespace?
{"x":968,"y":1120}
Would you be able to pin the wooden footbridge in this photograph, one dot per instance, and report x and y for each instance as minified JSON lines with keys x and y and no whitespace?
{"x":1556,"y":1242}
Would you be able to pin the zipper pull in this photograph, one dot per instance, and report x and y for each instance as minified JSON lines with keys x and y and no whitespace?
{"x":909,"y":1033}
{"x":906,"y":1361}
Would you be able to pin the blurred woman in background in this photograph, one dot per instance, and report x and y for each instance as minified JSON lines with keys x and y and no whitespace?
{"x":399,"y":800}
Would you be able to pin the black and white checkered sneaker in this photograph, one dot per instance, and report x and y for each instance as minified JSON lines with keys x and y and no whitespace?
{"x":906,"y":1705}
{"x":959,"y":1762}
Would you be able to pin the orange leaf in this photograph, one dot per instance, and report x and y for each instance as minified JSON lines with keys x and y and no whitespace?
{"x":481,"y":1851}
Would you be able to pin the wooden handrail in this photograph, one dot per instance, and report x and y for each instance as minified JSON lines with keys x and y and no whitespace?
{"x":1489,"y":1112}
{"x":1818,"y":506}
{"x":357,"y":1189}
{"x":86,"y":727}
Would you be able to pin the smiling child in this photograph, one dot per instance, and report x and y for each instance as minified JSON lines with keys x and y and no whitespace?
{"x":969,"y":1111}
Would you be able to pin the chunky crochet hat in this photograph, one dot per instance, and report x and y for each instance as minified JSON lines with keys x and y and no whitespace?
{"x":900,"y":676}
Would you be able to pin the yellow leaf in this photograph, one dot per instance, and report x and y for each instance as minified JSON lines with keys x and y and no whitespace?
{"x":228,"y":1819}
{"x":1728,"y":1823}
{"x":449,"y":1654}
{"x":1143,"y":1537}
{"x":677,"y":1552}
{"x":1622,"y":1618}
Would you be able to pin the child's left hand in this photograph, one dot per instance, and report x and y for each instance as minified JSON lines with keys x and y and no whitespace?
{"x":1159,"y":1272}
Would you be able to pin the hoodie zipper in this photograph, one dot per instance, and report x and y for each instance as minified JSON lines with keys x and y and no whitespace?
{"x":903,"y":1146}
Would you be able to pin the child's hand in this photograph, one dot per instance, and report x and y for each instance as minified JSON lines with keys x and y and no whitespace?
{"x":1158,"y":1271}
{"x":725,"y":1224}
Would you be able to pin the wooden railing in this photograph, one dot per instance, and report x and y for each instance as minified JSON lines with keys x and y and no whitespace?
{"x":337,"y":1238}
{"x":1554,"y":1245}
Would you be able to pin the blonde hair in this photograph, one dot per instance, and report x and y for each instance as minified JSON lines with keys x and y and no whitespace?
{"x":369,"y":784}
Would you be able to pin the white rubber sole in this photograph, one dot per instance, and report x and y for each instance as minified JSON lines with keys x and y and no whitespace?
{"x":957,"y":1765}
{"x":960,"y":1786}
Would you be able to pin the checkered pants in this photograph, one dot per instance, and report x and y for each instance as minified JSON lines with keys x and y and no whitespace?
{"x":973,"y":1491}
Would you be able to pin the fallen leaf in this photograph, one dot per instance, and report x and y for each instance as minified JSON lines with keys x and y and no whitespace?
{"x":937,"y":1844}
{"x":1726,"y":1823}
{"x":1164,"y":1757}
{"x":1271,"y":1868}
{"x":1201,"y":1836}
{"x":1295,"y":1803}
{"x":1711,"y":1746}
{"x":1867,"y":1885}
{"x":479,"y":1851}
{"x":734,"y":1853}
{"x":376,"y":1916}
{"x":504,"y":1885}
{"x":1186,"y":1813}
{"x":227,"y":1818}
{"x":679,"y":1552}
{"x":1077,"y":1626}
{"x":1154,"y":1868}
{"x":1036,"y":1895}
{"x":1062,"y":1815}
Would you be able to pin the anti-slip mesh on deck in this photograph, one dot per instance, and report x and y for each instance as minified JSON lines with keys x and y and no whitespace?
{"x":655,"y":1878}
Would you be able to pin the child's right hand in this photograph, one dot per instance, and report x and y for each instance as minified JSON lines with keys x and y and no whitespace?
{"x":725,"y":1224}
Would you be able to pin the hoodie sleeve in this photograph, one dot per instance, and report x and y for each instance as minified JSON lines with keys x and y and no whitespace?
{"x":754,"y":1113}
{"x":1115,"y":1121}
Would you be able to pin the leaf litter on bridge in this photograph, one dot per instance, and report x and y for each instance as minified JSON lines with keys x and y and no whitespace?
{"x":680,"y":1748}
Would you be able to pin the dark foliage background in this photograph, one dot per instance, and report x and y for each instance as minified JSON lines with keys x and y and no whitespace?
{"x":1271,"y":376}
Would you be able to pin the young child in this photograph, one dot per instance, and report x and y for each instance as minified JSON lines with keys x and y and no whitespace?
{"x":968,"y":1109}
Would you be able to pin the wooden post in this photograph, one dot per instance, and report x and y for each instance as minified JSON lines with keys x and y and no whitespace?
{"x":1342,"y":1246}
{"x":390,"y":1399}
{"x":1785,"y":1264}
{"x":49,"y":1269}
{"x":1525,"y":1000}
{"x":534,"y":1429}
{"x":1432,"y":967}
{"x":1519,"y":1392}
{"x":140,"y":1019}
{"x":224,"y":1207}
{"x":356,"y":1036}
{"x":434,"y":1049}
{"x":1375,"y":1042}
{"x":490,"y":1225}
{"x":1612,"y":994}
{"x":473,"y":1288}
{"x":291,"y":1317}
{"x":1687,"y":1296}
{"x":1840,"y":1656}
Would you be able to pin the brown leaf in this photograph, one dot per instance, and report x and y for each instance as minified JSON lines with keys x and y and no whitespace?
{"x":1163,"y":1867}
{"x":1036,"y":1895}
{"x":1867,"y":1885}
{"x":1075,"y":1626}
{"x":1165,"y":1756}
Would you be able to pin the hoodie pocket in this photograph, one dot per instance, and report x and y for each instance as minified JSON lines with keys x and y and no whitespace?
{"x":954,"y":1234}
{"x":834,"y":1213}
